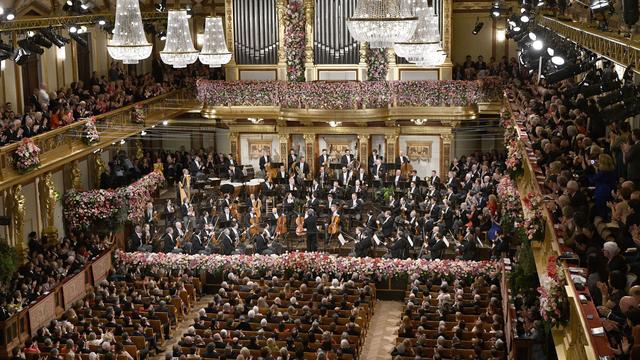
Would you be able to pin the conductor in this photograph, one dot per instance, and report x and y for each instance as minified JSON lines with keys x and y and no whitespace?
{"x":311,"y":226}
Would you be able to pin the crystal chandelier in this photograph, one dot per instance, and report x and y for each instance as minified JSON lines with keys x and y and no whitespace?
{"x":129,"y":43}
{"x":214,"y":51}
{"x":423,"y":48}
{"x":381,"y":23}
{"x":178,"y":50}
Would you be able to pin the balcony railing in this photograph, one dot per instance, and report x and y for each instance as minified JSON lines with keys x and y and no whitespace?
{"x":610,"y":45}
{"x":65,"y":144}
{"x":575,"y":340}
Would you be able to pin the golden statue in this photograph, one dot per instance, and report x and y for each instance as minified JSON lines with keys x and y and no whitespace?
{"x":139,"y":151}
{"x":100,"y":168}
{"x":18,"y":220}
{"x":75,"y":176}
{"x":48,"y":196}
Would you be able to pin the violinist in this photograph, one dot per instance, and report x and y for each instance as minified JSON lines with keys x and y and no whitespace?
{"x":226,"y":245}
{"x":291,"y":187}
{"x":315,"y":187}
{"x":234,"y":232}
{"x":330,"y":202}
{"x":414,"y":191}
{"x":413,"y":222}
{"x":226,"y":215}
{"x":169,"y":212}
{"x":323,"y":177}
{"x":179,"y":231}
{"x":206,"y":219}
{"x":261,"y":243}
{"x":336,"y":191}
{"x":405,"y":207}
{"x":363,"y":242}
{"x":311,"y":227}
{"x":282,"y":174}
{"x":400,"y":247}
{"x":358,"y":189}
{"x":313,"y":202}
{"x":169,"y":242}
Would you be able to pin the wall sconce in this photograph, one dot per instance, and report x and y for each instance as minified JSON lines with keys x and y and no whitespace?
{"x":419,"y":122}
{"x":61,"y":54}
{"x":3,"y":65}
{"x":255,"y":120}
{"x":334,"y":123}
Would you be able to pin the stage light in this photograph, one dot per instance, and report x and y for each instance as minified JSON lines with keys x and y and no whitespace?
{"x":10,"y":15}
{"x":79,"y":40}
{"x":524,"y":18}
{"x":1,"y":10}
{"x":189,"y":12}
{"x":84,"y":6}
{"x":56,"y":39}
{"x":102,"y":22}
{"x":73,"y":29}
{"x":69,"y":3}
{"x":31,"y":46}
{"x":532,"y":36}
{"x":477,"y":27}
{"x":162,"y":35}
{"x":537,"y":45}
{"x":551,"y":52}
{"x":122,"y":141}
{"x":557,"y":60}
{"x":599,"y":4}
{"x":516,"y":28}
{"x":165,"y":122}
{"x":143,"y":133}
{"x":540,"y":3}
{"x":21,"y":56}
{"x":162,"y":6}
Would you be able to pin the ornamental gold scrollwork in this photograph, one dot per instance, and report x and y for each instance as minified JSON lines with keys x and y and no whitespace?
{"x":18,"y":219}
{"x":75,"y":176}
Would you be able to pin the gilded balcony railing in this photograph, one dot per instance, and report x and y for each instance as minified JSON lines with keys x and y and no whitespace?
{"x":575,"y":340}
{"x":64,"y":144}
{"x":610,"y":45}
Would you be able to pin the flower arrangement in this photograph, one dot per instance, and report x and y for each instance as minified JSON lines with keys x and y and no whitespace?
{"x":534,"y":220}
{"x":294,"y":40}
{"x":26,"y":157}
{"x":377,"y":64}
{"x":90,"y":133}
{"x":316,"y":263}
{"x":345,"y":94}
{"x":514,"y":162}
{"x":139,"y":114}
{"x":83,"y":208}
{"x":553,"y":298}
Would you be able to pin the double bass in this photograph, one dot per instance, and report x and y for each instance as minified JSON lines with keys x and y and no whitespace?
{"x":300,"y":226}
{"x":406,"y":169}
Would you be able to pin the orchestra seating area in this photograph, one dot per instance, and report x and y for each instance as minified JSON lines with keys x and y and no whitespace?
{"x":301,"y":318}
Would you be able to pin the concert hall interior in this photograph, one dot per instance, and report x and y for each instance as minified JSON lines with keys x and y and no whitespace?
{"x":319,"y":179}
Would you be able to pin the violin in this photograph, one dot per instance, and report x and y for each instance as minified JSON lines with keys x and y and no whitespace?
{"x":300,"y":226}
{"x":334,"y":226}
{"x":281,"y":226}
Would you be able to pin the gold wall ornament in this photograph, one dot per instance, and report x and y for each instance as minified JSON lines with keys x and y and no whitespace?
{"x":18,"y":213}
{"x":233,"y":144}
{"x":281,"y":6}
{"x":363,"y":150}
{"x":48,"y":204}
{"x":390,"y":145}
{"x":139,"y":151}
{"x":309,"y":11}
{"x":76,"y":183}
{"x":100,"y":167}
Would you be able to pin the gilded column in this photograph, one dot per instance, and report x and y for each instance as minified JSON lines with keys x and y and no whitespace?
{"x":281,"y":6}
{"x":234,"y":144}
{"x":362,"y":64}
{"x":284,"y":149}
{"x":363,"y":150}
{"x":309,"y":145}
{"x":446,"y":69}
{"x":47,"y":207}
{"x":231,"y":67}
{"x":390,"y":145}
{"x":445,"y":154}
{"x":309,"y":11}
{"x":17,"y":221}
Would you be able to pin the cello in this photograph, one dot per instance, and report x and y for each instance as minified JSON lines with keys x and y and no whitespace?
{"x":281,"y":226}
{"x":334,"y":227}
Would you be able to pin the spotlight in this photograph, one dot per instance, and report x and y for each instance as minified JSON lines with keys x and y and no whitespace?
{"x":9,"y":15}
{"x":102,"y":21}
{"x":557,"y":60}
{"x":189,"y":12}
{"x":42,"y":41}
{"x":21,"y":56}
{"x":79,"y":40}
{"x":1,"y":10}
{"x":165,"y":122}
{"x":143,"y":133}
{"x":69,"y":3}
{"x":540,"y":3}
{"x":537,"y":45}
{"x":551,"y":52}
{"x":162,"y":35}
{"x":73,"y":29}
{"x":599,"y":4}
{"x":84,"y":6}
{"x":56,"y":39}
{"x":516,"y":28}
{"x":82,"y":29}
{"x":525,"y":17}
{"x":6,"y":47}
{"x":162,"y":6}
{"x":122,"y":141}
{"x":477,"y":27}
{"x":31,"y":46}
{"x":532,"y":36}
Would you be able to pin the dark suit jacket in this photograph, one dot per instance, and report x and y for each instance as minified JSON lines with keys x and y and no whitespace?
{"x":345,"y":160}
{"x":169,"y":244}
{"x":387,"y":227}
{"x":263,"y":162}
{"x":400,"y":249}
{"x":226,"y":246}
{"x":311,"y":224}
{"x":362,"y":247}
{"x":136,"y":241}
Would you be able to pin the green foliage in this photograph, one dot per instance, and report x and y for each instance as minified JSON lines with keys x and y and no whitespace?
{"x":9,"y":262}
{"x":524,"y":278}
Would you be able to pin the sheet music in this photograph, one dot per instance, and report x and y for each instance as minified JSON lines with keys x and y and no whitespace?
{"x":376,"y":239}
{"x":410,"y":241}
{"x":446,"y":242}
{"x":341,"y":239}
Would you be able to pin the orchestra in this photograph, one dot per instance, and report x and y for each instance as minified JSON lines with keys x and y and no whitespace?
{"x":383,"y":209}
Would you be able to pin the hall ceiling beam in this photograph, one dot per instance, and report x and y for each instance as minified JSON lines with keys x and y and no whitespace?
{"x":64,"y":21}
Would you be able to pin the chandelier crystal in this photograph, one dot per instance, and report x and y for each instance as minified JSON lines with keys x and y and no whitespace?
{"x":423,"y":48}
{"x":214,"y":51}
{"x":178,"y":49}
{"x":381,"y":23}
{"x":129,"y":43}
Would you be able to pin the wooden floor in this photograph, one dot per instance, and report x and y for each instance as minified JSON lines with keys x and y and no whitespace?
{"x":383,"y":331}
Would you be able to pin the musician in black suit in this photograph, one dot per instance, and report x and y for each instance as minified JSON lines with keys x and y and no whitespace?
{"x":196,"y":241}
{"x":402,"y":159}
{"x":323,"y":177}
{"x":304,"y":166}
{"x":398,"y":179}
{"x":363,"y":243}
{"x":197,"y":167}
{"x":437,"y":249}
{"x":447,"y":215}
{"x":292,"y":158}
{"x":362,"y":176}
{"x":313,"y":202}
{"x":374,"y":157}
{"x":323,"y":159}
{"x":378,"y":171}
{"x":414,"y":176}
{"x":148,"y":213}
{"x":400,"y":248}
{"x":346,"y":158}
{"x":169,"y":241}
{"x":355,"y":205}
{"x":414,"y":191}
{"x":136,"y":239}
{"x":260,"y":241}
{"x":311,"y":227}
{"x":345,"y":176}
{"x":468,"y":245}
{"x":281,"y":173}
{"x":434,"y":180}
{"x":387,"y":224}
{"x":226,"y":245}
{"x":235,"y":173}
{"x":370,"y":222}
{"x":264,"y":160}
